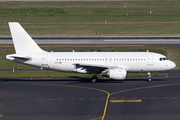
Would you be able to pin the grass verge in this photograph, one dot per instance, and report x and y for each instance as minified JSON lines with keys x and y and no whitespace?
{"x":85,"y":18}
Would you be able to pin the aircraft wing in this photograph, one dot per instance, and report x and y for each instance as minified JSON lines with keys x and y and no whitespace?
{"x":94,"y":65}
{"x":92,"y":68}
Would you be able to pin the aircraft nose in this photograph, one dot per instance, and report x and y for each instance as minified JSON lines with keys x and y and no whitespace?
{"x":173,"y":65}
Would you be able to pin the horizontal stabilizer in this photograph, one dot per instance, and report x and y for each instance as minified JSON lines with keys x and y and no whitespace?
{"x":16,"y":56}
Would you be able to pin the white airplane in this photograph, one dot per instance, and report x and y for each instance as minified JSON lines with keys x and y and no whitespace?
{"x":114,"y":65}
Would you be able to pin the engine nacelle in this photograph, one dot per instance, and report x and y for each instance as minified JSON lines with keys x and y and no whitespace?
{"x":118,"y":74}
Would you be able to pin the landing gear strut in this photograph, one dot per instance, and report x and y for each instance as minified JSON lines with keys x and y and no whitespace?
{"x":94,"y":79}
{"x":149,"y":76}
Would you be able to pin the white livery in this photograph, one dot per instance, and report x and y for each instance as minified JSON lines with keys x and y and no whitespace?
{"x":114,"y":65}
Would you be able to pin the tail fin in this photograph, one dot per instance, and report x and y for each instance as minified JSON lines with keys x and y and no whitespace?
{"x":23,"y":43}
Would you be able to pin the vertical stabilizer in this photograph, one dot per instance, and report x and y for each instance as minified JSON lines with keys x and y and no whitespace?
{"x":23,"y":43}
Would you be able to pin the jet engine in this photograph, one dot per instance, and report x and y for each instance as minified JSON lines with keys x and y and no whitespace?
{"x":118,"y":74}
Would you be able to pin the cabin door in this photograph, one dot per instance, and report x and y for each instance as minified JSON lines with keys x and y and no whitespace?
{"x":45,"y":60}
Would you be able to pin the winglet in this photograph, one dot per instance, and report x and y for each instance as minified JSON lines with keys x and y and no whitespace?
{"x":23,"y":43}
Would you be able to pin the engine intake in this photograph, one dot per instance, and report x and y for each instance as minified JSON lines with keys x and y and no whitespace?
{"x":118,"y":74}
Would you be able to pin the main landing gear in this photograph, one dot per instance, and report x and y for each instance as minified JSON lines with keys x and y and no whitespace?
{"x":149,"y":76}
{"x":94,"y":78}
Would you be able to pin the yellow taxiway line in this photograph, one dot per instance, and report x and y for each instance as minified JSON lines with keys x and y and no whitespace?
{"x":114,"y":101}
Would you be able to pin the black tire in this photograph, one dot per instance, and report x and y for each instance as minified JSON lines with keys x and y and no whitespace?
{"x":93,"y":79}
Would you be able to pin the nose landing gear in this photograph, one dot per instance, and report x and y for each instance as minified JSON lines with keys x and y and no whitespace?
{"x":149,"y":76}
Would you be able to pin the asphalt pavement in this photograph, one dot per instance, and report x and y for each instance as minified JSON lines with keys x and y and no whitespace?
{"x":78,"y":99}
{"x":142,"y":40}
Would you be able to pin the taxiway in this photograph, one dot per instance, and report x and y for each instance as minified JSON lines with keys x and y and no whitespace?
{"x":79,"y":99}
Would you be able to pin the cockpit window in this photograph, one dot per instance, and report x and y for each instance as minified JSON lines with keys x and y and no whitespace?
{"x":163,"y":59}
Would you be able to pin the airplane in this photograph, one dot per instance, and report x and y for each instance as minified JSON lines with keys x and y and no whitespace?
{"x":114,"y":65}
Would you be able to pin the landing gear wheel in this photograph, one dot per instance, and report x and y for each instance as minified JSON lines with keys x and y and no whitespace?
{"x":93,"y":79}
{"x":149,"y":76}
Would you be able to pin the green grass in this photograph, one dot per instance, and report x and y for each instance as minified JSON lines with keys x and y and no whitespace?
{"x":85,"y":18}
